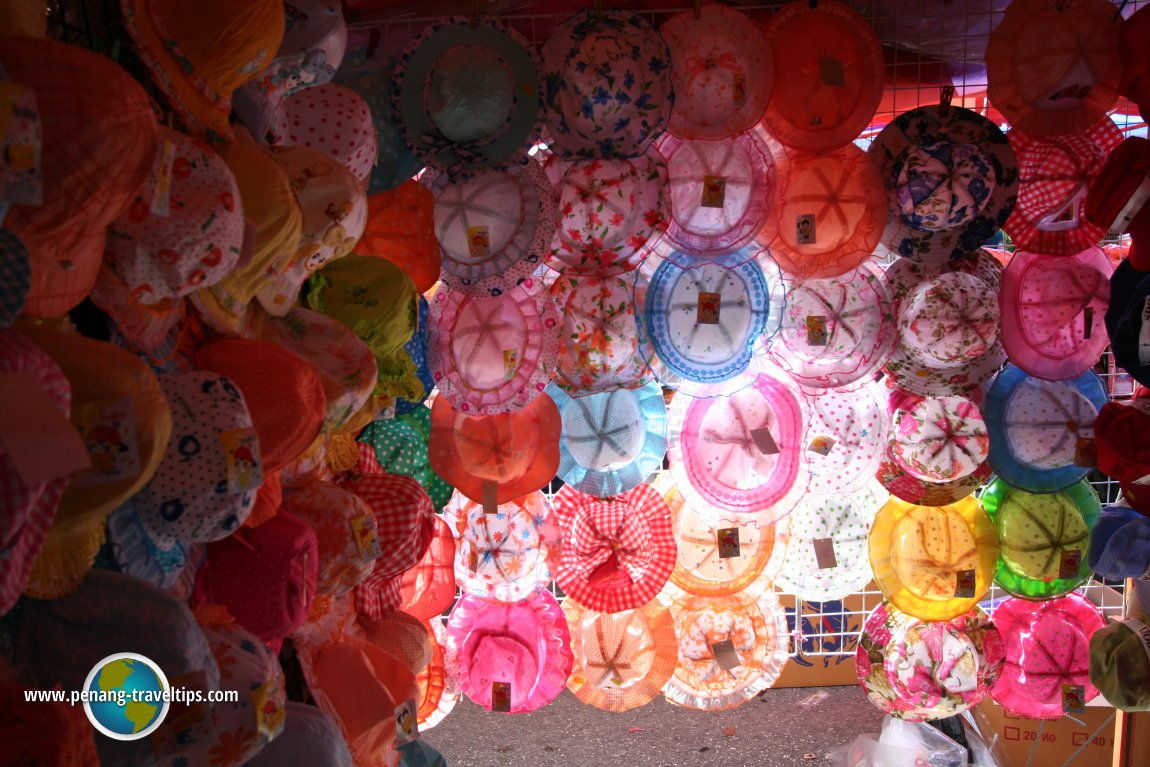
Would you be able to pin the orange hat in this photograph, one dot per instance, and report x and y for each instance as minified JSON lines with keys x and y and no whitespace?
{"x":428,"y":589}
{"x":401,"y":228}
{"x":402,"y":635}
{"x":89,"y":176}
{"x":25,"y":727}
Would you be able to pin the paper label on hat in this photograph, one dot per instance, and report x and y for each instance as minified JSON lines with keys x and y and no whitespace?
{"x":965,"y":581}
{"x":831,"y":72}
{"x":822,"y":445}
{"x":366,"y":537}
{"x":1069,"y":563}
{"x":727,"y":539}
{"x":764,"y":441}
{"x":270,"y":714}
{"x":40,"y":439}
{"x":479,"y":242}
{"x":1073,"y":699}
{"x":242,"y":451}
{"x":162,"y":193}
{"x":406,"y":722}
{"x":816,"y":330}
{"x":707,"y":311}
{"x":825,"y":553}
{"x":108,"y":428}
{"x":726,"y":655}
{"x":805,"y":229}
{"x":714,"y":191}
{"x":510,"y":363}
{"x":1085,"y":452}
{"x":501,"y":697}
{"x":1142,"y":631}
{"x":1144,"y":335}
{"x":21,"y":141}
{"x":490,"y":497}
{"x":739,"y":88}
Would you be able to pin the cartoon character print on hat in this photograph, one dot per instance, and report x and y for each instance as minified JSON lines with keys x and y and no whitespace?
{"x":205,"y":486}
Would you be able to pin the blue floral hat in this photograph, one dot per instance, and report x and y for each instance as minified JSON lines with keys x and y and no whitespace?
{"x":951,"y":178}
{"x":611,"y":441}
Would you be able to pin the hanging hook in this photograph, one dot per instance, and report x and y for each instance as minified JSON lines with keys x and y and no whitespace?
{"x":945,"y":96}
{"x":476,"y":13}
{"x":599,"y":9}
{"x":698,"y":9}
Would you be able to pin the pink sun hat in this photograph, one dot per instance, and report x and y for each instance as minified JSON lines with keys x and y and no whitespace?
{"x":617,"y":552}
{"x":720,"y":192}
{"x":835,"y":331}
{"x":845,"y":437}
{"x":495,"y":354}
{"x":939,"y":439}
{"x":1054,"y":310}
{"x":1055,"y":174}
{"x":722,"y":70}
{"x":513,"y":657}
{"x":740,"y":452}
{"x":333,"y":119}
{"x":345,"y":529}
{"x":1047,"y":650}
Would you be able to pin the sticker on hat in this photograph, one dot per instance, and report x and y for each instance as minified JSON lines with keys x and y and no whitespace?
{"x":1042,"y":432}
{"x":835,"y":331}
{"x":607,"y":84}
{"x":722,"y":71}
{"x":933,"y":562}
{"x":467,"y":92}
{"x":612,"y":441}
{"x":845,"y":436}
{"x":1044,"y":538}
{"x":493,"y":226}
{"x":920,"y":671}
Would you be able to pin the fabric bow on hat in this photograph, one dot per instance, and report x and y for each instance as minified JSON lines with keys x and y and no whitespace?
{"x":611,"y":545}
{"x":466,"y":153}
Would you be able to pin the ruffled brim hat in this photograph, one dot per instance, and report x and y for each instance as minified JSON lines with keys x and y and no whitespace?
{"x":845,"y":436}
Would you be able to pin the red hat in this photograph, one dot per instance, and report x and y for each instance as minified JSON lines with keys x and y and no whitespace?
{"x":1134,"y":82}
{"x":1117,"y":200}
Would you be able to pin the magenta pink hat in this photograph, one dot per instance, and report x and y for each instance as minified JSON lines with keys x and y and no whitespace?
{"x":1053,"y":312}
{"x":1047,"y":647}
{"x":333,"y":119}
{"x":513,"y":657}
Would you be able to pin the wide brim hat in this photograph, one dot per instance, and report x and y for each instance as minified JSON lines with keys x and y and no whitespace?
{"x":524,"y":645}
{"x":1053,"y":311}
{"x":416,"y":348}
{"x":401,"y":229}
{"x":124,"y":420}
{"x":829,"y":75}
{"x":1120,"y":544}
{"x":599,"y":338}
{"x":429,"y":587}
{"x":704,"y":321}
{"x":756,"y":629}
{"x":739,"y":453}
{"x":401,"y":635}
{"x":346,"y":531}
{"x":1129,"y":288}
{"x":395,"y":162}
{"x":720,"y":192}
{"x":1116,"y":201}
{"x":938,"y":439}
{"x":334,"y":119}
{"x":717,"y":555}
{"x":199,"y":55}
{"x":468,"y":94}
{"x":1039,"y":429}
{"x":1121,"y":435}
{"x":1053,"y":70}
{"x":87,"y":178}
{"x":902,"y":484}
{"x":1134,"y":80}
{"x":1119,"y":667}
{"x":507,"y":553}
{"x":1047,"y":648}
{"x":835,"y":331}
{"x":493,"y":226}
{"x":845,"y":436}
{"x":621,"y":660}
{"x":612,"y":441}
{"x":436,"y":486}
{"x":608,"y":89}
{"x":920,"y":671}
{"x":1055,"y":176}
{"x":821,"y":521}
{"x":496,"y":354}
{"x":932,"y":217}
{"x":610,"y":212}
{"x":827,"y":212}
{"x":439,"y":681}
{"x":1044,"y":538}
{"x":933,"y":562}
{"x":518,"y":452}
{"x":29,"y":503}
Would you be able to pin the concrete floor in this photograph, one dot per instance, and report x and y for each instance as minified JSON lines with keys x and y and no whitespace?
{"x":769,"y":731}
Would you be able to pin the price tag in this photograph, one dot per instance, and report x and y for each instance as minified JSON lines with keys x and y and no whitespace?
{"x":162,"y":192}
{"x":108,"y":429}
{"x":822,"y":445}
{"x":366,"y":537}
{"x":479,"y":242}
{"x":739,"y":88}
{"x":964,"y":584}
{"x":501,"y":697}
{"x":40,"y":439}
{"x":1085,"y":452}
{"x":805,"y":233}
{"x":242,"y":451}
{"x":831,"y":72}
{"x":707,"y":312}
{"x":268,"y":700}
{"x":1073,"y":699}
{"x":825,"y":553}
{"x":21,"y":142}
{"x":727,"y":539}
{"x":726,"y":655}
{"x":1069,"y":563}
{"x":764,"y":441}
{"x":816,"y":330}
{"x":510,"y":363}
{"x":406,"y":722}
{"x":714,"y":191}
{"x":490,"y":497}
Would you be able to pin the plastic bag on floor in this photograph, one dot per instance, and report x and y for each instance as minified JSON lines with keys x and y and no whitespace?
{"x":901,"y":744}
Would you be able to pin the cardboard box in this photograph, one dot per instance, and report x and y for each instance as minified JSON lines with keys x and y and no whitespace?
{"x":1052,"y":742}
{"x":823,"y":640}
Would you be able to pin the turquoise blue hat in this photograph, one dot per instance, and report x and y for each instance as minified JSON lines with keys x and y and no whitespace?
{"x":611,"y":441}
{"x":420,"y":753}
{"x":395,"y":162}
{"x":416,"y":348}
